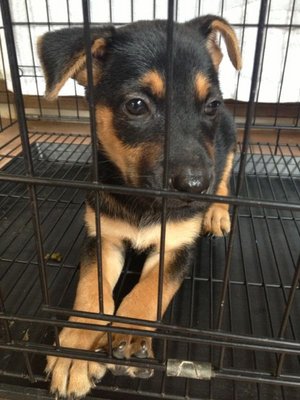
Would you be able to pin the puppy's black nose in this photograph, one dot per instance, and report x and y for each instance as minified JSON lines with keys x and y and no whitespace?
{"x":192,"y":180}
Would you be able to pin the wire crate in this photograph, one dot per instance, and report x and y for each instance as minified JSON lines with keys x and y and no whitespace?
{"x":235,"y":319}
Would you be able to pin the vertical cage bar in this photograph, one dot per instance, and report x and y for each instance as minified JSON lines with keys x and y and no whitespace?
{"x":243,"y":160}
{"x":176,"y":10}
{"x":191,"y":321}
{"x":94,"y":139}
{"x":110,"y":11}
{"x":297,"y":117}
{"x":262,"y":61}
{"x":75,"y":88}
{"x":277,"y":141}
{"x":284,"y":62}
{"x":247,"y":286}
{"x":13,"y":63}
{"x":286,"y":315}
{"x":6,"y":89}
{"x":253,"y":92}
{"x":222,"y":8}
{"x":132,"y":11}
{"x":168,"y":117}
{"x":1,"y":124}
{"x":33,"y":60}
{"x":5,"y":323}
{"x":28,"y":367}
{"x":169,"y":91}
{"x":199,"y":8}
{"x":49,"y":28}
{"x":242,"y":41}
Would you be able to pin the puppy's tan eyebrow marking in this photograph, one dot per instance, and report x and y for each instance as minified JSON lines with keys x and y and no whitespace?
{"x":202,"y":85}
{"x":154,"y":81}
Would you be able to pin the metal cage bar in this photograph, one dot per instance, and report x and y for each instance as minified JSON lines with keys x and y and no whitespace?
{"x":94,"y":141}
{"x":219,"y":342}
{"x":169,"y":85}
{"x":25,"y":142}
{"x":246,"y":139}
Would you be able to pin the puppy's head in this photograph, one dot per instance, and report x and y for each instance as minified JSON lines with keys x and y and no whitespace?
{"x":129,"y":84}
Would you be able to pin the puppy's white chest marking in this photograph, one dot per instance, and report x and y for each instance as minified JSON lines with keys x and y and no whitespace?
{"x":178,"y":233}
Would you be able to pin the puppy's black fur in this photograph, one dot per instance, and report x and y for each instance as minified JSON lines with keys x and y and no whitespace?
{"x":129,"y":88}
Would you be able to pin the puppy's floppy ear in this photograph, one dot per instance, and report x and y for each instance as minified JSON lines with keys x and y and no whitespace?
{"x":63,"y":56}
{"x":209,"y":25}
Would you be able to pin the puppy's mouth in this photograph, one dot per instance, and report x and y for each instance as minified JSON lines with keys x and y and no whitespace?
{"x":183,"y":202}
{"x":209,"y":190}
{"x":180,"y":200}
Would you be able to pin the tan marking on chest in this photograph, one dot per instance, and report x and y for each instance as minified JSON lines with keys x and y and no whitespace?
{"x":178,"y":233}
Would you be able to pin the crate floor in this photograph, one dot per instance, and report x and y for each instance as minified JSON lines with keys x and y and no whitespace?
{"x":266,"y":249}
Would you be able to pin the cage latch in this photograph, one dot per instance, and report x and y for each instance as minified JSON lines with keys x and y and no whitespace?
{"x":190,"y":369}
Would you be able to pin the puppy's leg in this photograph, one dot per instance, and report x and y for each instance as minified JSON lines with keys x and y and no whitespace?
{"x":141,"y":303}
{"x":216,"y":219}
{"x":72,"y":377}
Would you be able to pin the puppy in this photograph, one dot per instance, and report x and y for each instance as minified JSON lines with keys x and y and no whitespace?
{"x":129,"y":88}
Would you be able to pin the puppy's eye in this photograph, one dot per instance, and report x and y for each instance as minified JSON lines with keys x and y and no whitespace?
{"x":212,"y":107}
{"x":136,"y":107}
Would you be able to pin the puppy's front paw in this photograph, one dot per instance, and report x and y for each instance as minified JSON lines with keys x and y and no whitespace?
{"x":128,"y":346}
{"x":73,"y":378}
{"x":216,"y":220}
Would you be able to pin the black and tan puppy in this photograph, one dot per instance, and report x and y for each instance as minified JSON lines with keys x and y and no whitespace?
{"x":129,"y":70}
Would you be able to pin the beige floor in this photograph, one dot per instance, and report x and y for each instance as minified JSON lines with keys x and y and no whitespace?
{"x":10,"y":141}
